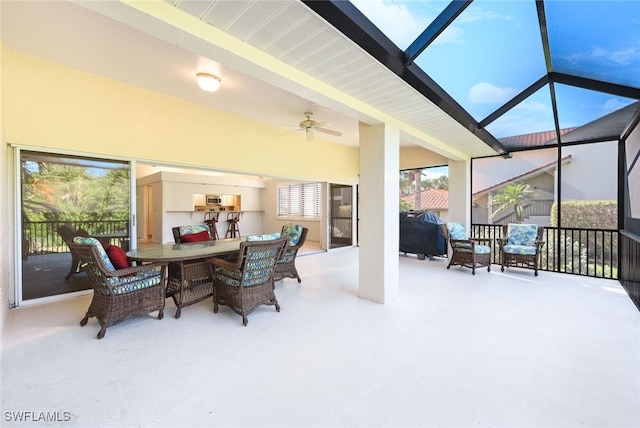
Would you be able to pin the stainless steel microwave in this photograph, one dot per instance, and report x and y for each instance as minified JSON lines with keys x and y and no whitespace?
{"x":213,"y":199}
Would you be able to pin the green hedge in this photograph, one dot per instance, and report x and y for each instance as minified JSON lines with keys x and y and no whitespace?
{"x":587,"y":214}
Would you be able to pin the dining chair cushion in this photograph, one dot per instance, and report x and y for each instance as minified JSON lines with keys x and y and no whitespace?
{"x":196,"y":237}
{"x":139,"y":281}
{"x":118,"y":257}
{"x":263,"y":237}
{"x":293,"y":232}
{"x":93,"y":241}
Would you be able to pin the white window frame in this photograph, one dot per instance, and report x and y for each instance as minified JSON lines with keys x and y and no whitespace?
{"x":299,"y":201}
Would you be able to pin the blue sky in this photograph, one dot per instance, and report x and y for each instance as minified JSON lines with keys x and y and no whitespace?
{"x":493,"y":51}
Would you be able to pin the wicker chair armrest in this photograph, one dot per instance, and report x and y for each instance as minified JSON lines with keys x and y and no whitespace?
{"x":134,"y":270}
{"x":218,"y":262}
{"x":540,"y":243}
{"x":462,"y":243}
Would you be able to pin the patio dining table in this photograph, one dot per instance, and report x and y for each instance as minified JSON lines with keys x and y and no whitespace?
{"x":190,"y":278}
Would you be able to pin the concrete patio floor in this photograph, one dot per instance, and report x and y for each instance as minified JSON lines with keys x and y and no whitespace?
{"x":455,"y":350}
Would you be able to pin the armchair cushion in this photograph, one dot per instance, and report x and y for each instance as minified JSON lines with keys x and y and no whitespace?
{"x":465,"y":247}
{"x":293,"y":232}
{"x":195,"y":237}
{"x":456,"y":231}
{"x":529,"y":250}
{"x":522,"y":234}
{"x":101,"y":252}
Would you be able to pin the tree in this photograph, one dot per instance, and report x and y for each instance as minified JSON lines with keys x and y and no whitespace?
{"x":513,"y":196}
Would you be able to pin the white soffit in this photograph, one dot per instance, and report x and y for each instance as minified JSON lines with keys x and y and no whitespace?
{"x":289,"y":32}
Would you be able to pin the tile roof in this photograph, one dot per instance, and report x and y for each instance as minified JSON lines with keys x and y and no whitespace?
{"x":430,"y":199}
{"x":534,"y":140}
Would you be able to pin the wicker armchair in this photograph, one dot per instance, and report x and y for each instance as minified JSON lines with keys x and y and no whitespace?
{"x":520,"y":246}
{"x":466,"y":251}
{"x":286,"y":267}
{"x":67,"y":233}
{"x":248,"y":283}
{"x":119,"y":294}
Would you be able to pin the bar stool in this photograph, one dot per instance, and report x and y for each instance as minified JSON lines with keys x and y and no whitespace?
{"x":211,"y":219}
{"x":233,"y":218}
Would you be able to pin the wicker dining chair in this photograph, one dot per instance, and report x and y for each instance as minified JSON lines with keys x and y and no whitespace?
{"x":247,"y":283}
{"x":119,"y":293}
{"x":520,"y":246}
{"x":466,"y":251}
{"x":191,"y":233}
{"x":286,"y":267}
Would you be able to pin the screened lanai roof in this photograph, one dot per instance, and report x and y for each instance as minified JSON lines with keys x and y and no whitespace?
{"x":508,"y":67}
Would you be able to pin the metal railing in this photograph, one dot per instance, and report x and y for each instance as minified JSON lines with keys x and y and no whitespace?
{"x":538,"y":207}
{"x":41,"y":237}
{"x":587,"y":252}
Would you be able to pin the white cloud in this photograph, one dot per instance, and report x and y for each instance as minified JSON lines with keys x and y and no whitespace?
{"x":613,"y":104}
{"x":528,"y":107}
{"x":395,"y":20}
{"x":474,"y":15}
{"x":625,"y":57}
{"x":486,"y":93}
{"x":452,"y":35}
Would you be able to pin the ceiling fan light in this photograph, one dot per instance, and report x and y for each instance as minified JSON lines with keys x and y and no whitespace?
{"x":208,"y":82}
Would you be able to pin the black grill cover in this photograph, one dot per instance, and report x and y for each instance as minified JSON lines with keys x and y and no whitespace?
{"x":420,"y":233}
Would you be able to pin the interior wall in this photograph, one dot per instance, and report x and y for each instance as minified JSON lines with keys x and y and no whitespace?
{"x":270,"y":221}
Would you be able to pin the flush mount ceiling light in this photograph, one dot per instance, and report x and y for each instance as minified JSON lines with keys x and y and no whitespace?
{"x":208,"y":82}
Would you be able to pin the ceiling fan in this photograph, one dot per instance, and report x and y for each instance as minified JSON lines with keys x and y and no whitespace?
{"x":310,"y":126}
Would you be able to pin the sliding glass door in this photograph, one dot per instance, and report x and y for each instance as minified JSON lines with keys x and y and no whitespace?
{"x":341,"y":216}
{"x":62,"y":195}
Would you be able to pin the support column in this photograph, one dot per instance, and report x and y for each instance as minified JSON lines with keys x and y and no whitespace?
{"x":460,"y":192}
{"x":379,"y":200}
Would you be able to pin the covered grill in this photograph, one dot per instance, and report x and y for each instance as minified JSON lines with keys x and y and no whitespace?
{"x":421,"y":234}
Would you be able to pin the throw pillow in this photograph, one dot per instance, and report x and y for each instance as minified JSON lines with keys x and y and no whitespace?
{"x":195,"y":237}
{"x":118,"y":257}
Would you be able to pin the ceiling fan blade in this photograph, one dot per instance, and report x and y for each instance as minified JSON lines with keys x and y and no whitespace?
{"x":290,"y":132}
{"x":329,"y":131}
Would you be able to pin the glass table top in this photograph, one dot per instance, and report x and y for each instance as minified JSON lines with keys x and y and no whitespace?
{"x":186,"y":251}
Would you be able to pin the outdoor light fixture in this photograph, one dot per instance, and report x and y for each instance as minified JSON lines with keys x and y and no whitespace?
{"x":208,"y":82}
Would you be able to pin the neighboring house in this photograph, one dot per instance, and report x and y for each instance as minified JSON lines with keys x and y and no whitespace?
{"x":582,"y":177}
{"x":541,"y":178}
{"x":434,"y":200}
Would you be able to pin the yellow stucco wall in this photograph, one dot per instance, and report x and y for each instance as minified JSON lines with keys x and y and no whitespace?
{"x":418,"y":157}
{"x":56,"y":107}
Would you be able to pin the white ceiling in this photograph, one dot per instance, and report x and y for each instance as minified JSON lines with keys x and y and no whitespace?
{"x":114,"y":40}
